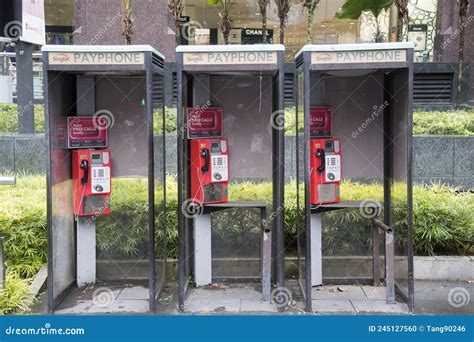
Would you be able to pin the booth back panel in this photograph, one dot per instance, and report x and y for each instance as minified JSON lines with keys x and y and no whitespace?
{"x":246,"y":123}
{"x":357,"y":120}
{"x":122,"y":236}
{"x":125,"y":98}
{"x":62,"y":220}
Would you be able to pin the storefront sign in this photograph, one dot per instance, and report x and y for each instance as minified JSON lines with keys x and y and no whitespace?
{"x":204,"y":122}
{"x":231,"y":57}
{"x":98,"y":58}
{"x":369,"y":56}
{"x":85,"y":132}
{"x":417,"y":34}
{"x":320,"y":122}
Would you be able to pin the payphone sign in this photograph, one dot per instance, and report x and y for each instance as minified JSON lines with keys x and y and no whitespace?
{"x":86,"y":132}
{"x":204,"y":122}
{"x":320,"y":122}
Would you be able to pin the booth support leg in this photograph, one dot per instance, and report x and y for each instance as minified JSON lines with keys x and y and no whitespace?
{"x":390,"y":267}
{"x":376,"y":255}
{"x":266,"y":258}
{"x":316,"y":250}
{"x":86,"y":258}
{"x":202,"y":250}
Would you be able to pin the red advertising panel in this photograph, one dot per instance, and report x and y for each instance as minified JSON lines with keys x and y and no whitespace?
{"x":320,"y":122}
{"x":86,"y":132}
{"x":204,"y":122}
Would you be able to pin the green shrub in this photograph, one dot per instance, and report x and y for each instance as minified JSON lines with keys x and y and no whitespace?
{"x":426,"y":123}
{"x":443,"y":220}
{"x":9,"y":118}
{"x":444,"y":123}
{"x":13,"y":297}
{"x":23,"y":223}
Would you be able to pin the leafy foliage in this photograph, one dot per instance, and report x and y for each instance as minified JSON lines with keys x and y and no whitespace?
{"x":9,"y":118}
{"x":13,"y":297}
{"x":352,"y":9}
{"x":444,"y":123}
{"x":433,"y":123}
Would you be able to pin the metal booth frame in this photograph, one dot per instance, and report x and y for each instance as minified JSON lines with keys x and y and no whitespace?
{"x":60,"y":61}
{"x":319,"y":60}
{"x":191,"y":60}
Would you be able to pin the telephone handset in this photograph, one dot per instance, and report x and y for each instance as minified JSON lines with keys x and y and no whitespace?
{"x":85,"y":166}
{"x":205,"y":155}
{"x":321,"y":155}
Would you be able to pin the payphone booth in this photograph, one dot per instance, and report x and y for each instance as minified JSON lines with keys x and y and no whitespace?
{"x":230,"y":143}
{"x":106,"y":178}
{"x":355,"y":233}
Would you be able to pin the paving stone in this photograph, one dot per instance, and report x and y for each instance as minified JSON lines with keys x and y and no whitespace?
{"x":247,"y":305}
{"x":136,"y":292}
{"x":322,"y":306}
{"x":379,"y":306}
{"x":375,"y":293}
{"x":329,"y":292}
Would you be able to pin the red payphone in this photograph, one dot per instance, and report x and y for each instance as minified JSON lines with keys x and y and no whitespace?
{"x":91,"y":182}
{"x":325,"y":166}
{"x":209,"y":170}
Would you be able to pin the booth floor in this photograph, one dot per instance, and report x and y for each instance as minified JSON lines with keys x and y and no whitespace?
{"x":221,"y":299}
{"x":354,"y":299}
{"x":107,"y":299}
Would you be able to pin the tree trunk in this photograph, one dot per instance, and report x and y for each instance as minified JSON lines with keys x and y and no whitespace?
{"x":177,"y":29}
{"x":463,"y":7}
{"x":282,"y":30}
{"x":309,"y":27}
{"x":226,"y":38}
{"x":264,"y":25}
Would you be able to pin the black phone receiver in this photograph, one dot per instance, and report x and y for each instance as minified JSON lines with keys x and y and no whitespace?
{"x":321,"y":155}
{"x":85,"y":165}
{"x":205,"y":155}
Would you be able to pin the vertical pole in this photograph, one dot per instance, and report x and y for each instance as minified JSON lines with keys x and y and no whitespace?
{"x":2,"y":264}
{"x":390,"y":266}
{"x":180,"y":165}
{"x":24,"y":87}
{"x":375,"y":254}
{"x":266,"y":255}
{"x":151,"y":185}
{"x":316,"y":249}
{"x":202,"y":250}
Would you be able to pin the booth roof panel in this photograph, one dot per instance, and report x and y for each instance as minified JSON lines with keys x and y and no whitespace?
{"x":101,"y":48}
{"x":230,"y":48}
{"x":355,"y":47}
